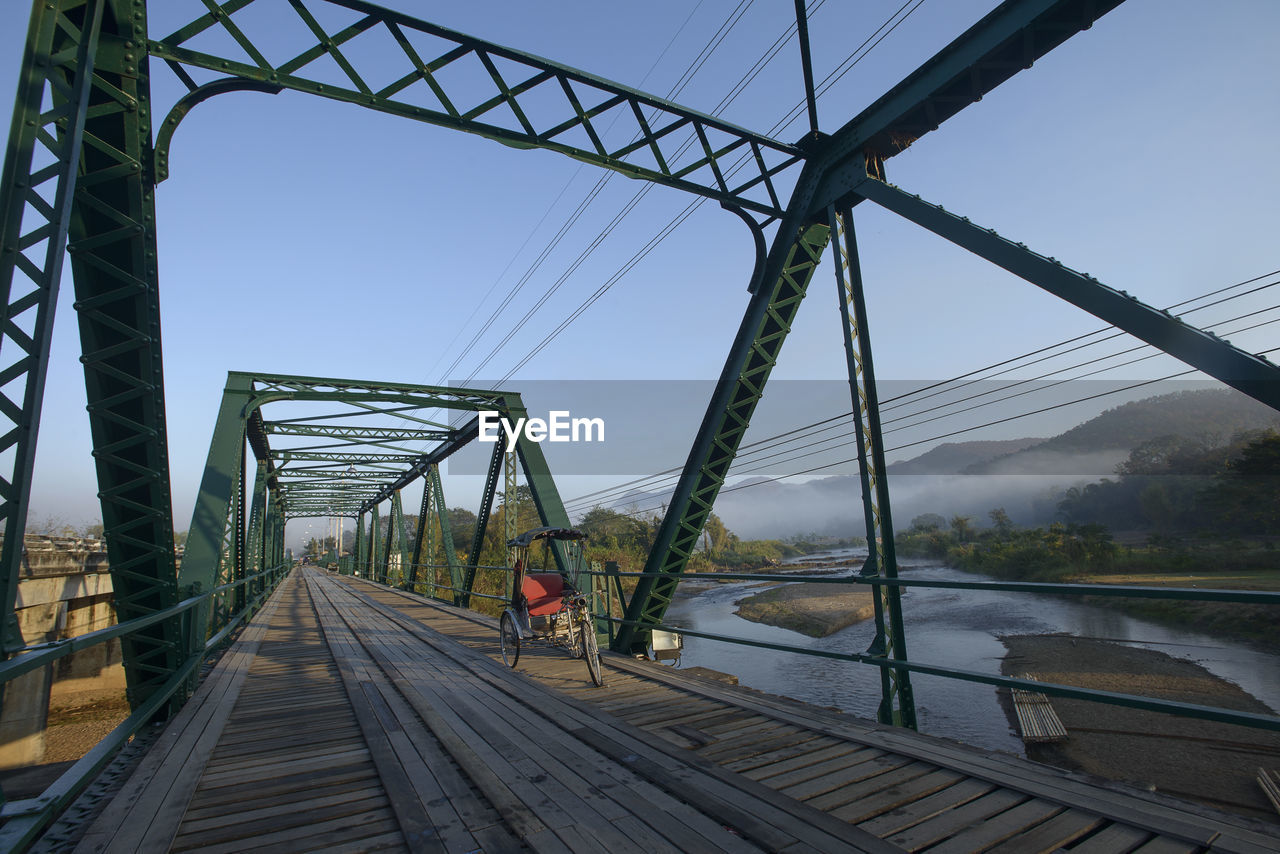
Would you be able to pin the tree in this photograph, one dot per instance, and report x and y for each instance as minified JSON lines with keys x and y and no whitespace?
{"x":1243,"y":497}
{"x":462,"y":523}
{"x":718,"y":536}
{"x":1003,"y":524}
{"x":928,"y":522}
{"x":962,"y":528}
{"x":603,"y":527}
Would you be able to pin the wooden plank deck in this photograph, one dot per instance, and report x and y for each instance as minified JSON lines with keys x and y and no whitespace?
{"x":351,"y":717}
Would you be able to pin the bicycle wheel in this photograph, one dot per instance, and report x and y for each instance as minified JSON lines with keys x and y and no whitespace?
{"x":509,"y":637}
{"x":572,"y":623}
{"x":590,"y":648}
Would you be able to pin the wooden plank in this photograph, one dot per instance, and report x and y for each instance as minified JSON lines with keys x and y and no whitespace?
{"x":146,"y":812}
{"x":228,"y":829}
{"x":407,"y":787}
{"x":668,"y":769}
{"x":484,"y":768}
{"x":535,"y":697}
{"x":1150,"y":813}
{"x":1113,"y":839}
{"x":567,"y":765}
{"x":838,"y":787}
{"x":694,"y":736}
{"x":997,"y":828}
{"x":727,"y":803}
{"x":245,"y":800}
{"x":1164,"y":845}
{"x":832,"y":761}
{"x":899,"y":819}
{"x":1137,"y":810}
{"x":1051,"y":835}
{"x":943,"y":826}
{"x":292,"y":801}
{"x":352,"y":776}
{"x":318,"y":836}
{"x":908,"y":792}
{"x":801,"y":743}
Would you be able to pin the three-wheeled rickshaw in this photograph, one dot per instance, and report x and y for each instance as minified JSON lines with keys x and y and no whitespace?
{"x":546,"y":606}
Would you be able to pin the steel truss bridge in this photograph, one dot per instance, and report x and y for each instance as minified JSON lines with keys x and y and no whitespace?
{"x":88,"y":148}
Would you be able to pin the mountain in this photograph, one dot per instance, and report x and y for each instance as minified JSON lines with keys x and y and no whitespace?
{"x":1024,"y":476}
{"x":955,"y":457}
{"x":1100,"y":443}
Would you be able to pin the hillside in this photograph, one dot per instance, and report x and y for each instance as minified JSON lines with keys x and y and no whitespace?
{"x":1022,"y":475}
{"x":955,"y":457}
{"x":1216,"y":414}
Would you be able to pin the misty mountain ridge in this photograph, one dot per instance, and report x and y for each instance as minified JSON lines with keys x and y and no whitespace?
{"x":1021,"y":475}
{"x":1215,"y":414}
{"x":956,"y":457}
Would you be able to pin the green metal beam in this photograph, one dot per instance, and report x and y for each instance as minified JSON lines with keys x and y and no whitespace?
{"x":1006,"y":41}
{"x":376,"y":570}
{"x":897,"y":701}
{"x":446,"y":532}
{"x":1250,"y":374}
{"x":482,"y":517}
{"x":769,"y":315}
{"x":209,"y":535}
{"x":375,"y":434}
{"x":112,"y":242}
{"x":58,"y":61}
{"x":511,"y":104}
{"x":360,"y":569}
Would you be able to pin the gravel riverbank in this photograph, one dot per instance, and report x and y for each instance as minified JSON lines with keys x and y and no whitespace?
{"x":1201,"y":760}
{"x":812,"y":608}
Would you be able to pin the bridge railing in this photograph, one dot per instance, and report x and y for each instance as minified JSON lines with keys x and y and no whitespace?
{"x":606,"y":585}
{"x":25,"y":819}
{"x":1192,"y":710}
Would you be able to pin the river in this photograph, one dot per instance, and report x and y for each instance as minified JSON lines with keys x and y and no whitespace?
{"x":953,"y":628}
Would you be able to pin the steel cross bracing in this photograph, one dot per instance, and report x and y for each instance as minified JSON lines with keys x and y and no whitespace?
{"x":729,"y":164}
{"x":81,"y":169}
{"x":897,"y":705}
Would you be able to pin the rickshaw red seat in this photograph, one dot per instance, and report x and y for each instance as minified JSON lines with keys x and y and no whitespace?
{"x":544,"y":591}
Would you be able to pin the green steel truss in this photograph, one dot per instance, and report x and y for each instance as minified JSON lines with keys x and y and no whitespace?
{"x":769,"y":315}
{"x":897,"y":705}
{"x":39,"y":166}
{"x":80,"y":171}
{"x":672,"y":145}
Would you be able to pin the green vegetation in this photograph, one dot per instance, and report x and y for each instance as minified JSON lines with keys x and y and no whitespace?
{"x":623,"y":538}
{"x":1213,"y":520}
{"x":1176,"y":486}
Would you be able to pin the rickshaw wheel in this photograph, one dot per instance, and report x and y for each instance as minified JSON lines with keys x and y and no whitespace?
{"x":591,"y":650}
{"x":509,"y":637}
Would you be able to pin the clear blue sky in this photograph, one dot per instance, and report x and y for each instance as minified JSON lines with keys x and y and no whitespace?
{"x":299,"y":235}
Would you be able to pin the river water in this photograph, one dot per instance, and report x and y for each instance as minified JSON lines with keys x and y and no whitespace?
{"x":953,"y":628}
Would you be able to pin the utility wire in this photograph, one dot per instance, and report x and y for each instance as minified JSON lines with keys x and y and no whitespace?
{"x":839,"y":421}
{"x":826,"y":466}
{"x":882,"y":32}
{"x":811,"y":430}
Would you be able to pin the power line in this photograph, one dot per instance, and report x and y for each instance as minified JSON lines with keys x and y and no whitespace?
{"x":811,"y":430}
{"x":831,"y":465}
{"x":808,"y":431}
